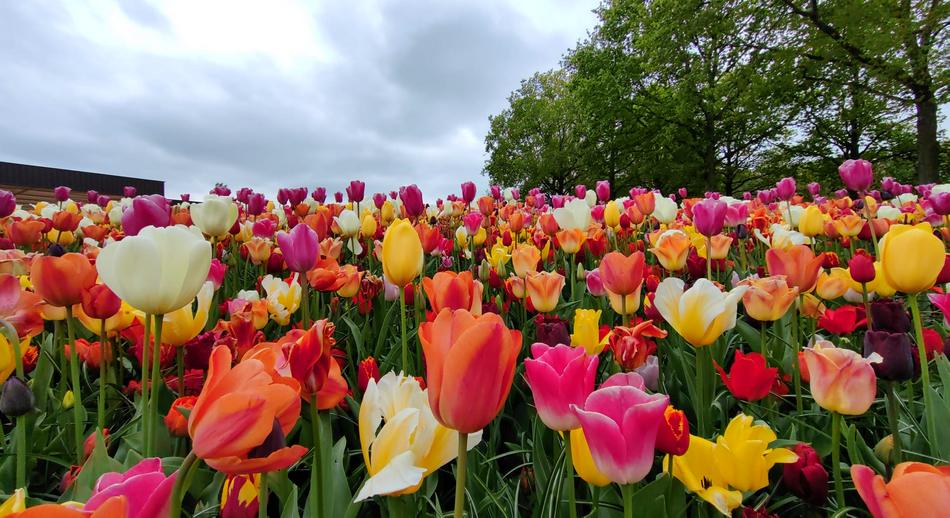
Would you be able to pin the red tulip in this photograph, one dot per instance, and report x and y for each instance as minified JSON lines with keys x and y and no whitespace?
{"x":842,"y":321}
{"x":749,"y":378}
{"x":61,"y":280}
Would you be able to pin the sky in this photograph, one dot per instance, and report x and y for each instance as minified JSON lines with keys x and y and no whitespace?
{"x":272,"y":94}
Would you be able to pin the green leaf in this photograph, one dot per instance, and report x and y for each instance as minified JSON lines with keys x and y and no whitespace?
{"x":98,"y":463}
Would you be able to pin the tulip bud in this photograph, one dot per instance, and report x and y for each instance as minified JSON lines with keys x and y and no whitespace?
{"x":672,"y":435}
{"x":861,"y":267}
{"x":17,"y":399}
{"x":884,"y":448}
{"x":368,"y":370}
{"x":68,"y":400}
{"x":897,"y":351}
{"x":175,"y":420}
{"x":806,"y":477}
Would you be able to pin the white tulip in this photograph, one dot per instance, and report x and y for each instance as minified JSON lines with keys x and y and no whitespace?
{"x":215,"y":216}
{"x":575,"y":214}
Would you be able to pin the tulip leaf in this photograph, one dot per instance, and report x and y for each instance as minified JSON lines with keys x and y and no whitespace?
{"x":383,"y":335}
{"x":858,"y":450}
{"x":357,"y":335}
{"x":98,"y":463}
{"x":941,"y":411}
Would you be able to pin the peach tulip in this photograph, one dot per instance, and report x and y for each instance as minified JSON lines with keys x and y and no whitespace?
{"x":544,"y":290}
{"x":622,"y":274}
{"x":841,"y":380}
{"x":453,"y":291}
{"x":915,"y":489}
{"x":797,"y":263}
{"x":768,"y":299}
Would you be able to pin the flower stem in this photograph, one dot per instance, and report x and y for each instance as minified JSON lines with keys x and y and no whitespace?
{"x":156,"y":376}
{"x":460,"y":475}
{"x":569,"y":475}
{"x":304,"y":302}
{"x":836,"y":457}
{"x":796,"y":368}
{"x":262,"y":497}
{"x":315,"y":467}
{"x":891,"y":397}
{"x":402,"y":321}
{"x":77,"y":389}
{"x":703,"y":361}
{"x":181,"y":484}
{"x":924,"y":374}
{"x":709,"y":258}
{"x":146,"y":347}
{"x":103,"y":374}
{"x":627,"y":491}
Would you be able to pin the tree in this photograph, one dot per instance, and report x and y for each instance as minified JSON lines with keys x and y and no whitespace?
{"x":534,"y":142}
{"x":899,"y":43}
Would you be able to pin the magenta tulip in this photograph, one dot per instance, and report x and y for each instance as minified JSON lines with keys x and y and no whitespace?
{"x":61,"y":193}
{"x":709,"y":216}
{"x":92,"y":196}
{"x":356,"y":191}
{"x":411,"y":197}
{"x":856,"y":175}
{"x":603,"y":190}
{"x":379,"y":199}
{"x":146,"y":488}
{"x":152,"y":210}
{"x":559,"y":377}
{"x":129,"y":191}
{"x":299,"y":248}
{"x":472,"y":222}
{"x":620,"y":424}
{"x":319,"y":194}
{"x":468,"y":192}
{"x":256,"y":204}
{"x":785,"y":188}
{"x":7,"y":203}
{"x":624,"y":379}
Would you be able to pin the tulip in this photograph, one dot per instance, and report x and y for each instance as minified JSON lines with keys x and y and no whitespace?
{"x":240,"y":496}
{"x":463,"y":351}
{"x":411,"y":198}
{"x":624,"y":420}
{"x":812,"y":221}
{"x":571,"y":240}
{"x":672,"y":249}
{"x":768,"y":299}
{"x":299,"y":248}
{"x":587,"y":331}
{"x":911,"y":257}
{"x":857,"y":175}
{"x":749,"y":378}
{"x":453,"y":291}
{"x":551,"y":330}
{"x":672,"y":436}
{"x":283,"y":297}
{"x":402,"y":253}
{"x":890,"y":315}
{"x":583,"y":461}
{"x":632,"y":347}
{"x":351,"y":280}
{"x":525,"y":260}
{"x":544,"y":290}
{"x":410,"y":445}
{"x":7,"y":203}
{"x":309,"y":357}
{"x":215,"y":216}
{"x":25,"y":232}
{"x":152,"y":210}
{"x":117,"y":506}
{"x":468,"y":192}
{"x":699,"y":314}
{"x":348,"y":222}
{"x":574,"y":215}
{"x":833,"y":284}
{"x":368,"y":370}
{"x":664,"y":209}
{"x":559,"y":377}
{"x":145,"y":486}
{"x":798,"y":264}
{"x":709,"y":216}
{"x":612,"y":214}
{"x":843,"y":320}
{"x":622,"y":274}
{"x":356,"y":191}
{"x":183,"y":324}
{"x":806,"y":477}
{"x":785,"y":188}
{"x":175,"y":421}
{"x":243,"y":414}
{"x":61,"y":280}
{"x":915,"y":489}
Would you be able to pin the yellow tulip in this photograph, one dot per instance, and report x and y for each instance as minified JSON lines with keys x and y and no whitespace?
{"x":402,"y":253}
{"x":7,"y":358}
{"x":834,"y":283}
{"x":698,"y":471}
{"x":587,"y":331}
{"x":15,"y":504}
{"x":612,"y":214}
{"x":387,"y":212}
{"x":498,"y":258}
{"x":672,"y":249}
{"x":630,"y":306}
{"x":114,"y":324}
{"x":480,"y":237}
{"x":283,"y":299}
{"x":911,"y":257}
{"x":525,"y":260}
{"x":583,"y":462}
{"x":368,"y":226}
{"x":879,"y":285}
{"x":699,"y":314}
{"x":410,"y":444}
{"x":68,"y":400}
{"x":812,"y":222}
{"x":182,"y":325}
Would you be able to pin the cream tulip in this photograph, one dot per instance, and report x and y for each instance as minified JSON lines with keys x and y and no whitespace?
{"x":215,"y":216}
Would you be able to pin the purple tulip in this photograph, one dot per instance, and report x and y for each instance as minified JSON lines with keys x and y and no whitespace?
{"x":940,"y":203}
{"x":282,"y":196}
{"x":602,"y":188}
{"x":763,"y":197}
{"x":256,"y":203}
{"x":7,"y":203}
{"x":557,"y":201}
{"x":682,"y":192}
{"x":897,"y":352}
{"x":185,"y":197}
{"x":221,"y":190}
{"x":61,"y":193}
{"x":495,"y":192}
{"x":319,"y":194}
{"x":887,"y":184}
{"x":393,"y":195}
{"x":856,"y":175}
{"x":411,"y":198}
{"x":841,"y":193}
{"x":338,"y":196}
{"x":297,"y":195}
{"x":468,"y":192}
{"x":150,"y":210}
{"x":129,"y":192}
{"x":300,"y":248}
{"x":92,"y":196}
{"x":814,"y":188}
{"x":243,"y":194}
{"x":709,"y":216}
{"x":102,"y":200}
{"x":785,"y":188}
{"x":379,"y":199}
{"x":580,"y":190}
{"x":356,"y":191}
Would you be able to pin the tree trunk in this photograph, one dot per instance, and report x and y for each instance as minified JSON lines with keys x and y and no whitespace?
{"x":928,"y":150}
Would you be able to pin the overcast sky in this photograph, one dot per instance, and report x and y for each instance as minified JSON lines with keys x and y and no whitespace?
{"x":271,"y":93}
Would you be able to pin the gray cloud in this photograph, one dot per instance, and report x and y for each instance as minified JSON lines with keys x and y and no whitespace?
{"x":389,"y":92}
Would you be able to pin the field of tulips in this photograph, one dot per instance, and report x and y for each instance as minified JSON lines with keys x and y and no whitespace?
{"x":494,"y":354}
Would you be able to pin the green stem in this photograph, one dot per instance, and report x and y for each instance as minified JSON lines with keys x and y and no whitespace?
{"x":262,"y":497}
{"x":763,"y":342}
{"x":836,"y":457}
{"x":462,"y":462}
{"x":709,"y":258}
{"x":867,"y":305}
{"x":315,"y":464}
{"x":569,"y":475}
{"x":924,"y":374}
{"x":156,"y":380}
{"x":796,"y":370}
{"x":77,"y":389}
{"x":304,"y":301}
{"x":572,"y":272}
{"x":103,"y":375}
{"x":181,"y":484}
{"x":891,"y":398}
{"x":402,"y":322}
{"x":702,"y":366}
{"x":627,"y":490}
{"x":146,"y":350}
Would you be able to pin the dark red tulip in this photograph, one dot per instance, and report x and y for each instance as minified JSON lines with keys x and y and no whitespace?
{"x":806,"y":477}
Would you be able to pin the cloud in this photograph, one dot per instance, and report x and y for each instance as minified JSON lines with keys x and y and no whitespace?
{"x":271,"y":94}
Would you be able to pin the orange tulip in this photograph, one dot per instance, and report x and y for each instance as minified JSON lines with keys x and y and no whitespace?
{"x":768,"y":299}
{"x":622,"y":274}
{"x":26,"y":232}
{"x":646,"y":202}
{"x":544,"y":290}
{"x":470,"y":365}
{"x":351,"y":281}
{"x":516,"y":221}
{"x":308,"y":356}
{"x":915,"y":489}
{"x":525,"y":260}
{"x":61,"y":280}
{"x":548,"y":223}
{"x":450,"y":290}
{"x":64,"y":221}
{"x":672,"y":249}
{"x":243,"y":414}
{"x":430,"y":237}
{"x":259,"y":250}
{"x":95,"y":232}
{"x":326,"y":276}
{"x":720,"y":246}
{"x":111,"y":508}
{"x":849,"y":225}
{"x":571,"y":240}
{"x":797,"y":263}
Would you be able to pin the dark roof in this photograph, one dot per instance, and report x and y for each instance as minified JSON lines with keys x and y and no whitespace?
{"x":31,"y":183}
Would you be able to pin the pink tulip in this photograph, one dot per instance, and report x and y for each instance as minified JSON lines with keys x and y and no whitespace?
{"x":840,"y":379}
{"x":603,"y":190}
{"x":152,"y":210}
{"x":472,"y":222}
{"x":620,"y":424}
{"x":216,"y":272}
{"x":264,"y":228}
{"x":580,"y":190}
{"x":145,"y":486}
{"x":92,"y":196}
{"x":737,"y":214}
{"x":785,"y":188}
{"x":560,"y":377}
{"x":299,"y":248}
{"x":379,"y":199}
{"x":319,"y":194}
{"x":468,"y":192}
{"x":856,"y":175}
{"x":595,"y":284}
{"x":624,"y":379}
{"x":61,"y":193}
{"x":356,"y":191}
{"x":709,"y":216}
{"x":411,"y":198}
